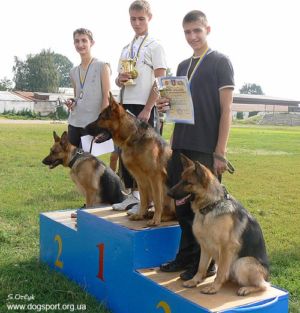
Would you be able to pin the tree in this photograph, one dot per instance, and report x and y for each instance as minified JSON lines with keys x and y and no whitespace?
{"x":63,"y":66}
{"x":6,"y":84}
{"x":20,"y":70}
{"x":45,"y":72}
{"x":251,"y":89}
{"x":43,"y":75}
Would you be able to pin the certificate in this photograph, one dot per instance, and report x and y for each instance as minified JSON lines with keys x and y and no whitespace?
{"x":177,"y":89}
{"x":96,"y":148}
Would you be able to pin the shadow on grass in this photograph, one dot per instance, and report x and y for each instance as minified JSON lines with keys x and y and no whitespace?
{"x":42,"y":286}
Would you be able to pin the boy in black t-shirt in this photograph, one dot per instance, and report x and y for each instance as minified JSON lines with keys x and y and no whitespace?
{"x":211,"y":82}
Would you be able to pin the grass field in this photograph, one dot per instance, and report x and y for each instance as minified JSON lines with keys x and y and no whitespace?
{"x":267,"y":162}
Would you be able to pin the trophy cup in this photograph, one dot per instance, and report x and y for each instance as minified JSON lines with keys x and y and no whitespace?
{"x":128,"y":66}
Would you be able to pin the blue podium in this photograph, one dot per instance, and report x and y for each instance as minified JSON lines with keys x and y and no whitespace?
{"x":117,"y":260}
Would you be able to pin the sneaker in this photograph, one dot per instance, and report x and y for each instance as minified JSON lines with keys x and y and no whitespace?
{"x":134,"y":209}
{"x":122,"y":206}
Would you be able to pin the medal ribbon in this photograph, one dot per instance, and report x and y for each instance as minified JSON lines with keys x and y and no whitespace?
{"x":82,"y":81}
{"x":139,"y":48}
{"x":201,"y":58}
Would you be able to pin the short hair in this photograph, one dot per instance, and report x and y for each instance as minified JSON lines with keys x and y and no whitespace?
{"x":141,"y":5}
{"x":194,"y":16}
{"x":83,"y":31}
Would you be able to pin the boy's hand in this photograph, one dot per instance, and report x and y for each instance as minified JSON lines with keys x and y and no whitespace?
{"x":123,"y":78}
{"x":70,"y":103}
{"x":163,"y":105}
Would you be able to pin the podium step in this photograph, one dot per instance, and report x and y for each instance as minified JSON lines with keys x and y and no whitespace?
{"x":116,"y":260}
{"x":225,"y":299}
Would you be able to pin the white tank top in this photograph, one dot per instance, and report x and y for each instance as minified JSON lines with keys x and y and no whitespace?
{"x":88,"y":106}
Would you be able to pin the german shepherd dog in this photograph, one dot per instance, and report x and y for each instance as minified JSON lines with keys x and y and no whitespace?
{"x":144,"y":153}
{"x":225,"y":231}
{"x":97,"y":182}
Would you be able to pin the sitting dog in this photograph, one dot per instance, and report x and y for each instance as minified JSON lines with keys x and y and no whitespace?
{"x":225,"y":231}
{"x":97,"y":182}
{"x":144,"y":153}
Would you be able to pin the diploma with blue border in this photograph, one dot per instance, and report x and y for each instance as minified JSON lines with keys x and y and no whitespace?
{"x":177,"y":89}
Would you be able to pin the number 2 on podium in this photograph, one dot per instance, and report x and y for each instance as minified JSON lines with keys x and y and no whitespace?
{"x":58,"y":262}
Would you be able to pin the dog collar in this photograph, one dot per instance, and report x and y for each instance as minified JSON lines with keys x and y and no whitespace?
{"x":79,"y":153}
{"x":209,"y":207}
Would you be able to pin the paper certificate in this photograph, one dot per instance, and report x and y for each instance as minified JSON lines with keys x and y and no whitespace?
{"x":97,"y":148}
{"x":177,"y":89}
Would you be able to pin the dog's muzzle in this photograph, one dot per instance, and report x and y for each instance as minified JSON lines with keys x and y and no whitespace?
{"x":52,"y":163}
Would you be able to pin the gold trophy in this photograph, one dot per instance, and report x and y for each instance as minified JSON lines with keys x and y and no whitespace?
{"x":128,"y":66}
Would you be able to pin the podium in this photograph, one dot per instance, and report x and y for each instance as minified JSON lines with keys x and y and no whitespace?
{"x":116,"y":260}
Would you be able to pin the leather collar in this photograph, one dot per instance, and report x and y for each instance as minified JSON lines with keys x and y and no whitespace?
{"x":78,"y":154}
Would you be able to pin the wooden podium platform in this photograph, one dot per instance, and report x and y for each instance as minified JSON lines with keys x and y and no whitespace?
{"x":117,"y":260}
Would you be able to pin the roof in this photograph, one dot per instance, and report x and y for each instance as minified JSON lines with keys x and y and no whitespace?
{"x":263,"y":100}
{"x":11,"y":96}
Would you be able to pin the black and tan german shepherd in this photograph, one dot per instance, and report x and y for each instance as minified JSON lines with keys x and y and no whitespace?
{"x":144,"y":153}
{"x":225,"y":231}
{"x":97,"y":182}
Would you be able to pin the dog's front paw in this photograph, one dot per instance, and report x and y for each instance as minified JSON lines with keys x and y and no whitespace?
{"x":136,"y":217}
{"x":210,"y":289}
{"x":244,"y":291}
{"x":191,"y":283}
{"x":154,"y":222}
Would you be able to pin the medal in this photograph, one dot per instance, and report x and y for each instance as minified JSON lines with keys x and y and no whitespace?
{"x":129,"y":65}
{"x":82,"y":80}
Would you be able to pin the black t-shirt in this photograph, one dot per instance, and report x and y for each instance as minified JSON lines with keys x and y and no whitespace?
{"x":215,"y":72}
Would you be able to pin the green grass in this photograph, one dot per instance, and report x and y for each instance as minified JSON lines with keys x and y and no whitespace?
{"x":267,"y":162}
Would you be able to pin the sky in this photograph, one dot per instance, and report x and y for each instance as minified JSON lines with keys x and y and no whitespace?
{"x":261,"y":37}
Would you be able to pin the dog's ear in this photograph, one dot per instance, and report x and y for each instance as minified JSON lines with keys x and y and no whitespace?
{"x":56,"y":138}
{"x":186,"y":162}
{"x":111,"y":98}
{"x":64,"y":141}
{"x":112,"y":102}
{"x":203,"y":173}
{"x":199,"y":168}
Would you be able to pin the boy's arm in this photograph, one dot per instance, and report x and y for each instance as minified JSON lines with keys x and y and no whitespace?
{"x":145,"y":114}
{"x":226,"y":98}
{"x":105,"y":81}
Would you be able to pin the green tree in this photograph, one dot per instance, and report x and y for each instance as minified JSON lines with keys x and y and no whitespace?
{"x":6,"y":84}
{"x":251,"y":89}
{"x":20,"y":70}
{"x":63,"y":67}
{"x":44,"y":72}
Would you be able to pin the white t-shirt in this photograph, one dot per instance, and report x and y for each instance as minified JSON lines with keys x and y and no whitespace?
{"x":151,"y":56}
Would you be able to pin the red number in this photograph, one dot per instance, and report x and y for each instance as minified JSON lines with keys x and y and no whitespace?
{"x":101,"y":258}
